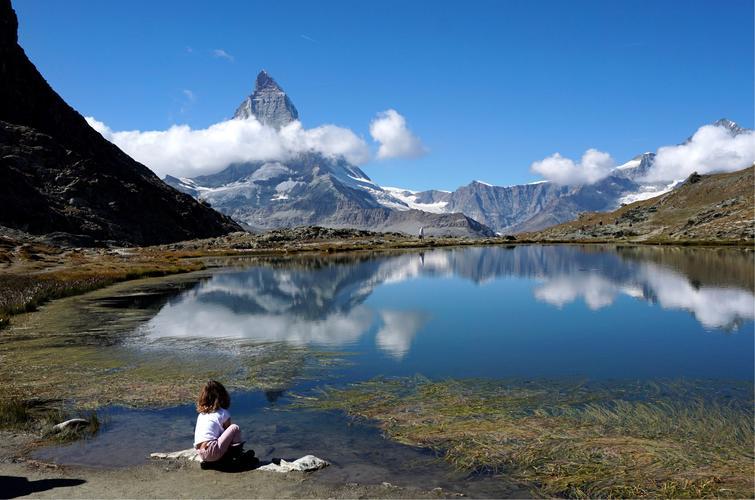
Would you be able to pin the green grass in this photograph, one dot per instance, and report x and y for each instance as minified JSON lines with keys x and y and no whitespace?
{"x":639,"y":440}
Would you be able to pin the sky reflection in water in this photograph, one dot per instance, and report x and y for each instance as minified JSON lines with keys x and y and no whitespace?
{"x":494,"y":311}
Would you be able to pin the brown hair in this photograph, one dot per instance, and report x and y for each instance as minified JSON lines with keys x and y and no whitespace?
{"x":212,"y":397}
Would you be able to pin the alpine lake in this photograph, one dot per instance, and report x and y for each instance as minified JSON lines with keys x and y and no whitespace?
{"x":523,"y":370}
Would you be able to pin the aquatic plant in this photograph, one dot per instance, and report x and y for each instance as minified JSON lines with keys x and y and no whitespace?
{"x":40,"y":417}
{"x":673,"y":439}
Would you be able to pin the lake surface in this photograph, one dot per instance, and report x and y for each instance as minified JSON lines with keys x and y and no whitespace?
{"x":522,"y":312}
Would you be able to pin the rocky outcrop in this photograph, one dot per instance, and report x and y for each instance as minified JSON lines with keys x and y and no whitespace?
{"x":268,"y":103}
{"x":59,"y":174}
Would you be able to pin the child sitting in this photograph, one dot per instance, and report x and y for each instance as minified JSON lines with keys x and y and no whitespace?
{"x":215,"y":437}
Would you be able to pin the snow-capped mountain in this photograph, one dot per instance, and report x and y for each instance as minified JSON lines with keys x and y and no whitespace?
{"x":524,"y":207}
{"x":535,"y":206}
{"x":311,"y":189}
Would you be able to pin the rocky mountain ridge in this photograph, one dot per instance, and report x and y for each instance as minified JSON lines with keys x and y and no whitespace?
{"x":535,"y":206}
{"x":57,"y":174}
{"x":311,"y":189}
{"x":266,"y":195}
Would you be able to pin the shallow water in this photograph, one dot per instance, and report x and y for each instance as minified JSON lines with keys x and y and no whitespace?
{"x":526,"y":312}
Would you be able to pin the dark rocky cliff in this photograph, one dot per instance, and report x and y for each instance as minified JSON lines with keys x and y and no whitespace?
{"x":57,"y":174}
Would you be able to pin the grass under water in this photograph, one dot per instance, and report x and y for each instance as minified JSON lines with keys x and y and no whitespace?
{"x":673,"y":439}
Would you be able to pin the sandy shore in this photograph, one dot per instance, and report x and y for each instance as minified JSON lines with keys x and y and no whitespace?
{"x":23,"y":477}
{"x":161,"y":480}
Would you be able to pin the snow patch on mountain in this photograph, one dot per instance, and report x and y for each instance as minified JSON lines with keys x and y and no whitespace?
{"x":408,"y":199}
{"x":269,"y":171}
{"x":648,"y":191}
{"x":629,"y":165}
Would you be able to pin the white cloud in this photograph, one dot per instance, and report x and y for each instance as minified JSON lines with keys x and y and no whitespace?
{"x":222,"y":54}
{"x":396,"y":140}
{"x":190,"y":96}
{"x":711,"y":149}
{"x":185,"y":152}
{"x":594,"y":166}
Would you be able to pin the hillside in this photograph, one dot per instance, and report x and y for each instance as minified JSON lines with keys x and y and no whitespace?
{"x":717,"y":207}
{"x":57,"y":174}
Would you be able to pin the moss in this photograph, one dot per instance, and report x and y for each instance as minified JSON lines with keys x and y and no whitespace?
{"x":637,"y":440}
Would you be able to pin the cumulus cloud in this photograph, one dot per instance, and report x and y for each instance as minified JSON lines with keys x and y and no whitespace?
{"x":711,"y":149}
{"x":396,"y":140}
{"x":594,"y":166}
{"x":222,"y":54}
{"x":185,"y":152}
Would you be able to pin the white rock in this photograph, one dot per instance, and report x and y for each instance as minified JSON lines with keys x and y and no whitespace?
{"x":189,"y":455}
{"x":74,"y":422}
{"x":304,"y":464}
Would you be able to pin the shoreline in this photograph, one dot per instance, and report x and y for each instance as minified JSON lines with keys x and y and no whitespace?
{"x":35,"y":274}
{"x":175,"y":480}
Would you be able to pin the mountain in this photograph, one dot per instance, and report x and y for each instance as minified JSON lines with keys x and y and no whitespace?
{"x":731,"y":126}
{"x":704,"y":207}
{"x":535,"y":206}
{"x":268,"y":103}
{"x":310,"y":188}
{"x":637,"y":167}
{"x":512,"y":209}
{"x":57,"y":174}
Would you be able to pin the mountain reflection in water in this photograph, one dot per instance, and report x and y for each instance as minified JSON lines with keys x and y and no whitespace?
{"x":324,"y":302}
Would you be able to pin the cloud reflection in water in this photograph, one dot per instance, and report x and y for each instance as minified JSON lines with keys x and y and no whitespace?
{"x":323,"y":302}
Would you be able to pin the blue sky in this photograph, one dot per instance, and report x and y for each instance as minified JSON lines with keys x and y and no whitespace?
{"x":489,"y":86}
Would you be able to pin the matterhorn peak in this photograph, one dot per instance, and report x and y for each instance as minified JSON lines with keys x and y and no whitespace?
{"x":264,"y":80}
{"x":269,"y":104}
